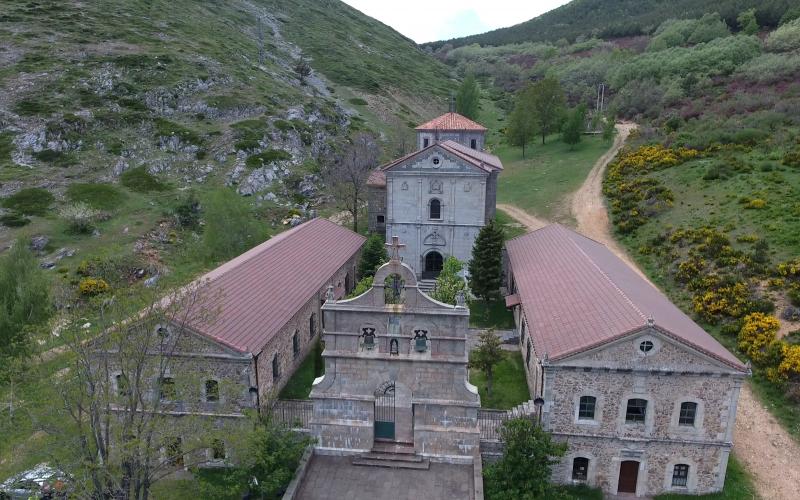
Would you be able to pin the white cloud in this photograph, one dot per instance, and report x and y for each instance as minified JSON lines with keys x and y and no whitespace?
{"x":429,"y":20}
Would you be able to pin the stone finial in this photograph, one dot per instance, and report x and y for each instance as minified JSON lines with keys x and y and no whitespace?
{"x":461,"y":300}
{"x":329,"y":295}
{"x":651,"y":321}
{"x":395,"y":247}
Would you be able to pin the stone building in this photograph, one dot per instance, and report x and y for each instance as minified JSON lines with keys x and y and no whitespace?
{"x":644,"y":397}
{"x":438,"y":198}
{"x":265,"y":317}
{"x":396,"y":371}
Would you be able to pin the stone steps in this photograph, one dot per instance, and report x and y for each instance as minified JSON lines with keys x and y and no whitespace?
{"x":424,"y":464}
{"x":396,"y":447}
{"x":426,"y":286}
{"x":392,"y":455}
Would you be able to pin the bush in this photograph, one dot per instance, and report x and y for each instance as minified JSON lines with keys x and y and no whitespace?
{"x":756,"y":336}
{"x":30,"y":201}
{"x":357,"y":101}
{"x":13,"y":219}
{"x":794,"y":297}
{"x":230,"y":226}
{"x":755,"y":203}
{"x":90,"y":287}
{"x":80,"y":217}
{"x":373,"y":255}
{"x":362,"y":286}
{"x":99,"y":196}
{"x":166,"y":128}
{"x":269,"y":156}
{"x":786,"y":38}
{"x":140,"y":180}
{"x":249,"y":133}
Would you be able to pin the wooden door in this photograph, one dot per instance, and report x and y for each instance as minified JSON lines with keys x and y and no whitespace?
{"x":628,"y":475}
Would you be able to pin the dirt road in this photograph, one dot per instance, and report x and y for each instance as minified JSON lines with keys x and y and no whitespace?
{"x":761,"y":444}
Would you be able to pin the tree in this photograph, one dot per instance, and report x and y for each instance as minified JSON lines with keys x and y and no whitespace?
{"x":347,"y":174}
{"x":468,"y":98}
{"x":24,"y":304}
{"x":521,"y":125}
{"x":524,"y":470}
{"x":302,"y":69}
{"x":449,"y":283}
{"x":608,"y":128}
{"x":488,"y":354}
{"x":373,"y":255}
{"x":486,"y":266}
{"x":230,"y":228}
{"x":547,"y":104}
{"x":748,"y":22}
{"x":573,"y":128}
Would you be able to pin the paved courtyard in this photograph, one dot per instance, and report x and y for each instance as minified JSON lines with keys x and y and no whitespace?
{"x":330,"y":477}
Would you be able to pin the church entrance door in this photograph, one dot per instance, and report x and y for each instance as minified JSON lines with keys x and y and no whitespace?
{"x":628,"y":475}
{"x":384,"y":412}
{"x":433,"y":265}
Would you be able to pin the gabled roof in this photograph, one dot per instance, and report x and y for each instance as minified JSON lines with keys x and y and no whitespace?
{"x":258,"y":292}
{"x":578,"y":295}
{"x":452,"y":121}
{"x":487,"y":162}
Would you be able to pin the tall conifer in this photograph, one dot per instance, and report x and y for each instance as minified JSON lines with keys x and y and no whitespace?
{"x":486,"y":266}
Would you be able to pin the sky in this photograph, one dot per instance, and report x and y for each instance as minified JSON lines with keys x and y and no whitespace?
{"x":431,"y":20}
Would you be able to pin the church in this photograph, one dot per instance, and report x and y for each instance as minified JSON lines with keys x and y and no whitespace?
{"x":437,"y":198}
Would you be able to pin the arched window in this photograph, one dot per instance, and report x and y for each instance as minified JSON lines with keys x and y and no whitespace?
{"x":586,"y":407}
{"x":580,"y":469}
{"x":435,"y":209}
{"x":393,"y":289}
{"x":688,"y":414}
{"x":276,"y":374}
{"x":528,"y":354}
{"x":312,"y":325}
{"x":680,"y":475}
{"x":296,"y":344}
{"x":394,"y":347}
{"x":636,"y":411}
{"x":212,"y":391}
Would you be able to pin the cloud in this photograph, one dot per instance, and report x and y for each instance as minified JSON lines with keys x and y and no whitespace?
{"x":430,"y":20}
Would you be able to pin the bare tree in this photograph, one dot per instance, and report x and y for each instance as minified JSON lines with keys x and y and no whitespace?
{"x":303,"y":69}
{"x":347,"y":175}
{"x":125,"y":387}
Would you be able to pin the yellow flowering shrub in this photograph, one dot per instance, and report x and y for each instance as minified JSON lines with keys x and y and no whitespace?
{"x":730,"y":300}
{"x":690,"y":268}
{"x":790,"y":268}
{"x":790,"y":364}
{"x":90,"y":287}
{"x":757,"y":334}
{"x":755,"y":203}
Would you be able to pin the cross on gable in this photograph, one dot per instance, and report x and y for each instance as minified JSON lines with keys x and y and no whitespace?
{"x":395,"y":246}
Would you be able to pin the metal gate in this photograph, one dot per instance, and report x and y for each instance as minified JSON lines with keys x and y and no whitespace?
{"x":384,"y":411}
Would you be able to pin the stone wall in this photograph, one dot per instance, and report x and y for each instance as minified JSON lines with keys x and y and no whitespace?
{"x":376,"y":206}
{"x":464,"y":138}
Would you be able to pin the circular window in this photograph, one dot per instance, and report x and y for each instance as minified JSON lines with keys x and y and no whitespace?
{"x":436,"y":161}
{"x":646,"y":346}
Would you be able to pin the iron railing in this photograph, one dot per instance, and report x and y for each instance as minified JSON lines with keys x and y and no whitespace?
{"x":490,"y":422}
{"x":294,"y":413}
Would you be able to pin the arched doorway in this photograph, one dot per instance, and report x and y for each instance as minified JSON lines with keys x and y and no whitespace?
{"x":433,"y":265}
{"x":385,"y":411}
{"x":628,"y":476}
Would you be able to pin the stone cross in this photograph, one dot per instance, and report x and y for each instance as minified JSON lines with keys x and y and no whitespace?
{"x":395,"y":245}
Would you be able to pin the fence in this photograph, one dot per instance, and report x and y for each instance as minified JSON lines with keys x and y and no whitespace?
{"x":294,"y":413}
{"x":490,"y":422}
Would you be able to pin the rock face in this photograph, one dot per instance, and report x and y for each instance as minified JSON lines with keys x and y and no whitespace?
{"x":38,"y":243}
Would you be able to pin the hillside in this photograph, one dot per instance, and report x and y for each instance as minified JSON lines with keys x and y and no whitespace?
{"x":618,"y":18}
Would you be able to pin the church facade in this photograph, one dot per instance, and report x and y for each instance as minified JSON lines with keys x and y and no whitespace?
{"x":439,"y":197}
{"x":643,"y":396}
{"x":396,"y":372}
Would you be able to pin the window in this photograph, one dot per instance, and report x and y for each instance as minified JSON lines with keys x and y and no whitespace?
{"x":646,"y":346}
{"x":217,"y":449}
{"x":122,"y":385}
{"x":436,"y":161}
{"x":425,"y":142}
{"x":276,"y":374}
{"x":680,"y":475}
{"x":394,"y":348}
{"x":166,"y":388}
{"x":473,"y":144}
{"x":212,"y":391}
{"x":586,"y":407}
{"x":381,"y":219}
{"x":420,"y":340}
{"x":162,"y":331}
{"x":312,"y":325}
{"x":369,"y":337}
{"x":173,"y":451}
{"x":436,"y":209}
{"x":688,"y":414}
{"x":296,"y":344}
{"x":636,"y":412}
{"x":347,"y":283}
{"x":580,"y":469}
{"x":528,"y":354}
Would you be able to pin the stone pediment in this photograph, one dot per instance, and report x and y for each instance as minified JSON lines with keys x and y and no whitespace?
{"x":434,"y":239}
{"x":435,"y":160}
{"x":648,"y":349}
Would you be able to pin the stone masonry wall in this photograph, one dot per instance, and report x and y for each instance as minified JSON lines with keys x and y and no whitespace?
{"x":376,"y":205}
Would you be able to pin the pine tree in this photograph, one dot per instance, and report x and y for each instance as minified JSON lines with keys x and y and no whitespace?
{"x":468,"y":98}
{"x":486,"y":266}
{"x":574,"y":126}
{"x":373,"y":255}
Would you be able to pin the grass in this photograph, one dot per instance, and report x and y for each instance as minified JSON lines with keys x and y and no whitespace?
{"x":267,"y":157}
{"x":191,"y":489}
{"x":166,"y":128}
{"x":511,"y":228}
{"x":490,"y":315}
{"x":30,"y":201}
{"x":299,"y":385}
{"x":738,"y":486}
{"x":140,"y":180}
{"x":99,"y":196}
{"x":509,"y":387}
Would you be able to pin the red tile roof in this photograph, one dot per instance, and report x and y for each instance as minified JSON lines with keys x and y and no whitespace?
{"x":377,"y":178}
{"x":258,"y":292}
{"x":577,"y":295}
{"x":452,"y":121}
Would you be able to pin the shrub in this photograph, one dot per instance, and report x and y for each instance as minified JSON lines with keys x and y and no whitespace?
{"x":786,"y":38}
{"x":90,"y":287}
{"x":80,"y":217}
{"x":794,"y":296}
{"x":30,"y":201}
{"x":99,"y":196}
{"x":362,"y":286}
{"x":755,"y":203}
{"x":357,"y":101}
{"x":140,"y":180}
{"x":166,"y":128}
{"x":789,"y":366}
{"x":13,"y":219}
{"x":792,"y":158}
{"x":249,"y":133}
{"x":716,"y":300}
{"x":269,"y":156}
{"x":757,"y":334}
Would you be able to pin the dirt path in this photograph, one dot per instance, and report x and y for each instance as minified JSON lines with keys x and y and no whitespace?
{"x":763,"y":446}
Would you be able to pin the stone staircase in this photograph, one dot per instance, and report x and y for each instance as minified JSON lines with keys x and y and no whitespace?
{"x":392,"y":456}
{"x":426,"y":286}
{"x":526,"y":409}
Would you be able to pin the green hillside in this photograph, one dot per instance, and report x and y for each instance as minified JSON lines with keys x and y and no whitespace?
{"x":618,"y":18}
